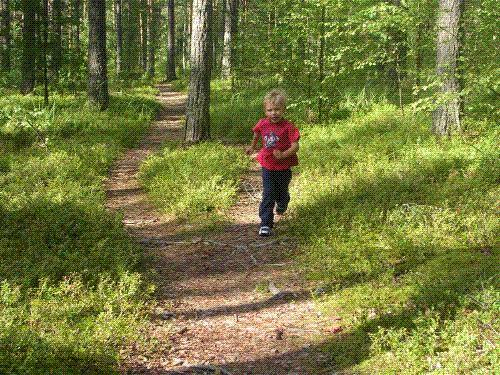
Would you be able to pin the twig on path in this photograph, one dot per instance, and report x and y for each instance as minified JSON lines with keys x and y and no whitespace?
{"x":251,"y":193}
{"x":213,"y":369}
{"x":278,"y":264}
{"x":279,"y":241}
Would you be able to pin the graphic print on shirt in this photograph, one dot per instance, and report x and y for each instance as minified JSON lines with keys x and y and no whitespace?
{"x":270,"y":140}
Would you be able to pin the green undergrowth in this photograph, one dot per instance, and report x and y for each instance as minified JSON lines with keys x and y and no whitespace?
{"x":70,"y":291}
{"x":402,"y":229}
{"x":196,"y":181}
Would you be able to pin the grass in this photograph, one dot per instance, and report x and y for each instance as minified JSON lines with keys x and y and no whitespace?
{"x":404,"y":229}
{"x":199,"y":180}
{"x":70,"y":290}
{"x":400,"y":227}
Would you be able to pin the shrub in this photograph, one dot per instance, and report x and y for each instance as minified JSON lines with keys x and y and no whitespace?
{"x":196,"y":180}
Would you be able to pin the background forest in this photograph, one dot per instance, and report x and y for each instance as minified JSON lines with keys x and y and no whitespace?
{"x":397,"y":103}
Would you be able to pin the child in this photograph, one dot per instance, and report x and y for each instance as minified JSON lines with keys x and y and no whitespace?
{"x":278,"y":154}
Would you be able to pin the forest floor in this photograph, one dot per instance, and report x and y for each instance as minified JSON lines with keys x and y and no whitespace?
{"x":228,"y":301}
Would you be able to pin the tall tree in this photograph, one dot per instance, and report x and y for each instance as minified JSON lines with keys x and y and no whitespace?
{"x":119,"y":35}
{"x":5,"y":34}
{"x":75,"y":24}
{"x":198,"y":105}
{"x":230,"y":30}
{"x":446,"y":117}
{"x":28,"y":64}
{"x":98,"y":77}
{"x":321,"y":61}
{"x":56,"y":41}
{"x":171,"y":41}
{"x":143,"y":27}
{"x":45,"y":44}
{"x":151,"y":38}
{"x":186,"y":30}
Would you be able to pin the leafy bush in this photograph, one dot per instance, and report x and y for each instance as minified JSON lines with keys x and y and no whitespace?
{"x":69,"y":328}
{"x":196,"y":180}
{"x":402,"y":228}
{"x":70,"y":293}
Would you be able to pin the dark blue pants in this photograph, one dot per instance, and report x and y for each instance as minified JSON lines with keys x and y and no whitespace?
{"x":275,"y":186}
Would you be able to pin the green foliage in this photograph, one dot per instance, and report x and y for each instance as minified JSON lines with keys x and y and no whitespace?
{"x":399,"y":223}
{"x":69,"y":328}
{"x":464,"y":344}
{"x":201,"y":179}
{"x":233,"y":114}
{"x":70,"y":293}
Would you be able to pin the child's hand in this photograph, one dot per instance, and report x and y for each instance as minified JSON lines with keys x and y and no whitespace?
{"x":278,"y":154}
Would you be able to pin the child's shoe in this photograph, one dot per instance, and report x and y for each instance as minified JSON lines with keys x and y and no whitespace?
{"x":264,"y":231}
{"x":280,"y":210}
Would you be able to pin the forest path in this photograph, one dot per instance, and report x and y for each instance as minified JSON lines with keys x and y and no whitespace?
{"x":215,"y":313}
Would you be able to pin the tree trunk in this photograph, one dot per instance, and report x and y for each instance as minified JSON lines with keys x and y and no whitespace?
{"x":187,"y":34}
{"x":198,"y":106}
{"x":230,"y":30}
{"x":98,"y":79}
{"x":76,"y":20}
{"x":151,"y":41}
{"x":321,"y":62}
{"x":446,"y":117}
{"x":418,"y":56}
{"x":144,"y":34}
{"x":5,"y":34}
{"x":45,"y":42}
{"x":171,"y":41}
{"x":28,"y":65}
{"x":119,"y":36}
{"x":56,"y":41}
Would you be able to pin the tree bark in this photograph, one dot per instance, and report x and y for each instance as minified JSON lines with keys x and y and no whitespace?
{"x":198,"y":105}
{"x":151,"y":41}
{"x":28,"y":65}
{"x":187,"y":35}
{"x":143,"y":29}
{"x":119,"y":36}
{"x":5,"y":34}
{"x":171,"y":41}
{"x":446,"y":117}
{"x":45,"y":42}
{"x":230,"y":30}
{"x":98,"y":78}
{"x":321,"y":62}
{"x":76,"y":21}
{"x":56,"y":41}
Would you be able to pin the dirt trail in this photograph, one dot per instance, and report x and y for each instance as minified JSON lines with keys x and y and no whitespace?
{"x":215,"y":313}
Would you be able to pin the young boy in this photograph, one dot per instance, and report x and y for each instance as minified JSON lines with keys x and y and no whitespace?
{"x":278,"y":154}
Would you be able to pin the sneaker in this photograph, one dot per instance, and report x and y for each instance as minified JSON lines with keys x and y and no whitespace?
{"x":264,"y":231}
{"x":280,"y":211}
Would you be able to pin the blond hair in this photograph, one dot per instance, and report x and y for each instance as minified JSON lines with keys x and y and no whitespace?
{"x":275,"y":96}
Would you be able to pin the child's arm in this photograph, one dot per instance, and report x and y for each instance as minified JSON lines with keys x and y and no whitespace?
{"x":250,"y":149}
{"x":288,"y":152}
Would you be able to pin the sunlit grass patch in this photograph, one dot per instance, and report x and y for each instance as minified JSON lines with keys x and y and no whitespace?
{"x":402,"y":228}
{"x":69,"y":327}
{"x":201,"y":179}
{"x":70,"y":293}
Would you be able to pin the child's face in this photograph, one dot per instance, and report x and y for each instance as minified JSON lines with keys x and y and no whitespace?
{"x":274,"y":112}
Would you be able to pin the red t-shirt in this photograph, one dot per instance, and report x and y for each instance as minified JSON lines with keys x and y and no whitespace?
{"x":276,"y":136}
